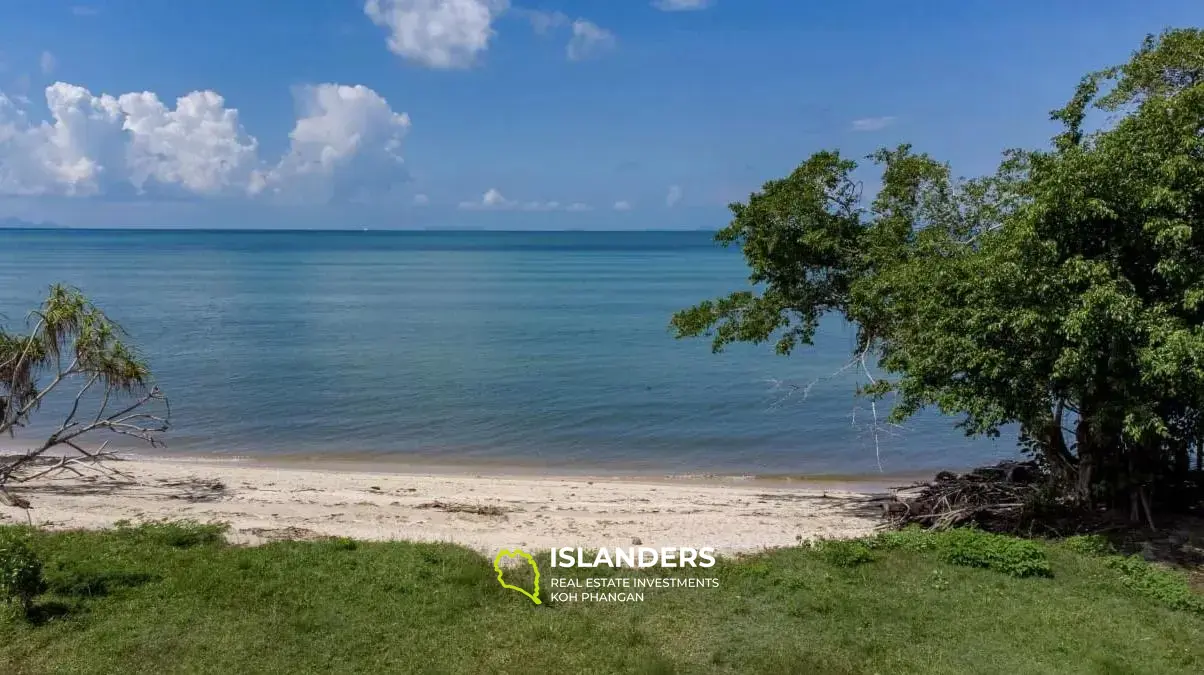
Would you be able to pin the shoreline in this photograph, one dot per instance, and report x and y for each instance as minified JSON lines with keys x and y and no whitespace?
{"x":482,"y":509}
{"x":396,"y":462}
{"x":408,"y":464}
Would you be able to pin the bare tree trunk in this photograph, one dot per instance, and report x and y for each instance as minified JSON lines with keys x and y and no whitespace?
{"x":1086,"y":439}
{"x":1052,"y":444}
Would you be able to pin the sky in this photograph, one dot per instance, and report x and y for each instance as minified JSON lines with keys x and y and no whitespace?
{"x":505,"y":114}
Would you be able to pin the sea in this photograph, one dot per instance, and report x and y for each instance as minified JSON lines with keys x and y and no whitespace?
{"x":546,"y":351}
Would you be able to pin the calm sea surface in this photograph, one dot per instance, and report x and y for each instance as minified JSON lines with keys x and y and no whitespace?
{"x":546,"y":349}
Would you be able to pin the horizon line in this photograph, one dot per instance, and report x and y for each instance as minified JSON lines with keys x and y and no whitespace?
{"x":109,"y":228}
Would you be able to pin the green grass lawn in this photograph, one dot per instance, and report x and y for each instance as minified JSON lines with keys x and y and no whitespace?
{"x":175,"y":599}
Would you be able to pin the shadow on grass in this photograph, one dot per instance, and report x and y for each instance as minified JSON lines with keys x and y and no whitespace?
{"x":42,"y":613}
{"x":1177,"y":541}
{"x":97,"y":584}
{"x":77,"y":588}
{"x":176,"y":534}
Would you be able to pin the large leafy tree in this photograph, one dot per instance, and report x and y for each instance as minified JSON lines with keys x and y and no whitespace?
{"x":1064,"y":293}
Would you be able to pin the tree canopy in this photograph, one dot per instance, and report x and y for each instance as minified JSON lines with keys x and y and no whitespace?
{"x":1063,"y":293}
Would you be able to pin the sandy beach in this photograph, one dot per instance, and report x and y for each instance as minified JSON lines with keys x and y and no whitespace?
{"x":263,"y":503}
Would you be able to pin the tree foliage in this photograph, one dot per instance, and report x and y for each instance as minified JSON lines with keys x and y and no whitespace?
{"x":1064,"y":292}
{"x":72,"y":346}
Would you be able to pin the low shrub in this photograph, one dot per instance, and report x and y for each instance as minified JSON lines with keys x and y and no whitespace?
{"x":20,"y":570}
{"x":177,"y":533}
{"x":972,"y":548}
{"x":845,"y":553}
{"x":1166,"y":586}
{"x":1089,"y":544}
{"x":344,"y":543}
{"x":911,"y":538}
{"x":1011,"y":556}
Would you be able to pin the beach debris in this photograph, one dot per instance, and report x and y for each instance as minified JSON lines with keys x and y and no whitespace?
{"x":9,"y":499}
{"x":193,"y":489}
{"x":456,"y":507}
{"x":999,"y":498}
{"x":290,"y":533}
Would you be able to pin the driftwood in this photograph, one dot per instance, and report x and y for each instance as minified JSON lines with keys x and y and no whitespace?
{"x":999,"y":498}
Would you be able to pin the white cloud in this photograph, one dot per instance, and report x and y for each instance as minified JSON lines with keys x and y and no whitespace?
{"x":622,"y":205}
{"x":674,"y":196}
{"x":200,"y":146}
{"x":494,"y":200}
{"x":421,"y":200}
{"x":437,"y":33}
{"x":20,"y":172}
{"x":347,"y":140}
{"x":681,"y":5}
{"x":872,"y":123}
{"x":47,"y":63}
{"x":542,"y":22}
{"x":78,"y":152}
{"x":589,"y":40}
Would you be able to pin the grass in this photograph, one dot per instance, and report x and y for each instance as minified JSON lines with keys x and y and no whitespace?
{"x":174,"y":598}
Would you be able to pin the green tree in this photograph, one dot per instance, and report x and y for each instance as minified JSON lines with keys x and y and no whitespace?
{"x":72,"y":350}
{"x":1064,"y":293}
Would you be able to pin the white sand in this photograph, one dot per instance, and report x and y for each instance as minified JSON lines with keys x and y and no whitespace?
{"x":263,"y":503}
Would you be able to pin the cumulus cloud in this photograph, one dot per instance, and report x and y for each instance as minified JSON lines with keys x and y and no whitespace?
{"x":47,"y":63}
{"x":437,"y":33}
{"x":421,"y":200}
{"x":674,"y":196}
{"x":199,"y":146}
{"x":872,"y":123}
{"x":589,"y":40}
{"x":347,"y":140}
{"x":494,"y":200}
{"x":135,"y":143}
{"x":95,"y":143}
{"x":622,"y":205}
{"x":681,"y":5}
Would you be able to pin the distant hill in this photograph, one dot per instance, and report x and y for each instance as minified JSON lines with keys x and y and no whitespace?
{"x":13,"y":223}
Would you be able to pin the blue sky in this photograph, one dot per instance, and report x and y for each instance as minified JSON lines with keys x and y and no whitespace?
{"x":493,"y":114}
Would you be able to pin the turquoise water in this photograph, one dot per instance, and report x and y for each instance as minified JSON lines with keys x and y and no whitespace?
{"x":544,"y":349}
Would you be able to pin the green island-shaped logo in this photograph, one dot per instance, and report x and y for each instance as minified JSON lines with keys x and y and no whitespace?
{"x":497,"y":567}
